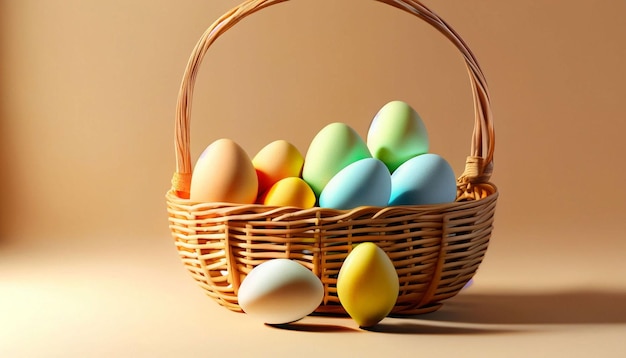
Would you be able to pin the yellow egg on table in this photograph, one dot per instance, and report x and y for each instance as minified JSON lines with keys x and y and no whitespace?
{"x":277,"y":160}
{"x":367,"y":284}
{"x":292,"y":191}
{"x":397,"y":134}
{"x":224,"y":173}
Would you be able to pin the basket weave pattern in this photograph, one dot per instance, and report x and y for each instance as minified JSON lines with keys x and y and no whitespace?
{"x":436,"y":249}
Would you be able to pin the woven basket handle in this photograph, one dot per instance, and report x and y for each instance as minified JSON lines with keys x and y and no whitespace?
{"x":479,"y":163}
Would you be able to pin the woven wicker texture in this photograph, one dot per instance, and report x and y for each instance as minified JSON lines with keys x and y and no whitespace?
{"x":436,"y":249}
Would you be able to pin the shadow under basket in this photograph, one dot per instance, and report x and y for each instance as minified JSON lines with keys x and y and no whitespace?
{"x":436,"y":249}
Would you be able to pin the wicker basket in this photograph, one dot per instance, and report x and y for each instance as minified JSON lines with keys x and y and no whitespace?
{"x":436,"y":249}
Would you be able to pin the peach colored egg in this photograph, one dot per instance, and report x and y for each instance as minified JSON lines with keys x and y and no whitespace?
{"x":277,"y":160}
{"x":292,"y":191}
{"x":224,"y":173}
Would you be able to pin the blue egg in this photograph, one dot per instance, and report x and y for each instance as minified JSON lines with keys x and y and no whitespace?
{"x":366,"y":182}
{"x":421,"y":180}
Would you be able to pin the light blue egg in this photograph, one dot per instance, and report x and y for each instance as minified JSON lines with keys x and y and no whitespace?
{"x":366,"y":182}
{"x":424,"y":179}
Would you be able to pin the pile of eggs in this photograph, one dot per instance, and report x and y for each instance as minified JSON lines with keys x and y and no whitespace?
{"x":342,"y":171}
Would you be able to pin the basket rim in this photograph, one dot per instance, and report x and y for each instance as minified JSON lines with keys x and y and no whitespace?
{"x":236,"y":211}
{"x":479,"y":163}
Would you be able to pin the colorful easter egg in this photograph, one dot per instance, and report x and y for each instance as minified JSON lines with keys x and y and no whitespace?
{"x":425,"y":179}
{"x":277,"y":160}
{"x":397,"y":134}
{"x":366,"y":182}
{"x":292,"y":191}
{"x":333,"y":148}
{"x":368,"y":284}
{"x":280,"y":291}
{"x":224,"y":173}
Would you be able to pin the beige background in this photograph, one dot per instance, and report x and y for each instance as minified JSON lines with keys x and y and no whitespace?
{"x":87,"y":97}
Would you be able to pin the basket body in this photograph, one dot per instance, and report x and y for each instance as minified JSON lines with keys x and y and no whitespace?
{"x":436,"y":249}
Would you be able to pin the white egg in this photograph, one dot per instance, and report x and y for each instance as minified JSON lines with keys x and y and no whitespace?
{"x":280,"y":291}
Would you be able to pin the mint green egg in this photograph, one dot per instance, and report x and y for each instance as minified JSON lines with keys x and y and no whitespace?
{"x":397,"y":134}
{"x":333,"y":148}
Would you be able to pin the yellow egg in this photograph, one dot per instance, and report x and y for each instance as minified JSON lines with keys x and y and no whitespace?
{"x":292,"y":191}
{"x":367,"y":284}
{"x":224,"y":173}
{"x":277,"y":160}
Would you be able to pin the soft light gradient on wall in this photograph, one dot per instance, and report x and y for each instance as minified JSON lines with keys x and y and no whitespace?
{"x":88,"y":92}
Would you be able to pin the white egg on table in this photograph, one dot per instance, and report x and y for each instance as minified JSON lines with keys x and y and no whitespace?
{"x":280,"y":291}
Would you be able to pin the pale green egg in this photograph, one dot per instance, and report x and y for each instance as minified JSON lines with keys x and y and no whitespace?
{"x":333,"y":148}
{"x":397,"y":134}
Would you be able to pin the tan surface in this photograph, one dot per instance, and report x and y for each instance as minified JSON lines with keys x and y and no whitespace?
{"x":87,"y":96}
{"x":104,"y":299}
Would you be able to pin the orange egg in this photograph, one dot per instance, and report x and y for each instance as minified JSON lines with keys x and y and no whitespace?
{"x":277,"y":160}
{"x":224,"y":173}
